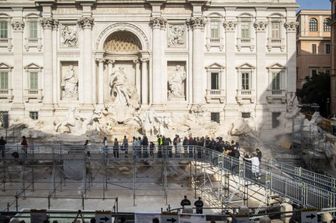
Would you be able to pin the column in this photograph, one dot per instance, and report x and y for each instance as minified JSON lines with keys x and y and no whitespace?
{"x":47,"y":25}
{"x":100,"y":81}
{"x":144,"y":81}
{"x":190,"y":65}
{"x":157,"y":82}
{"x":261,"y":84}
{"x":199,"y":78}
{"x":231,"y":72}
{"x":88,"y":90}
{"x":17,"y":75}
{"x":291,"y":27}
{"x":137,"y":76}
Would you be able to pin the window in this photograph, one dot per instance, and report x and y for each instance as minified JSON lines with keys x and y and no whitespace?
{"x":326,"y":25}
{"x":276,"y":83}
{"x":3,"y":29}
{"x":314,"y":71}
{"x":33,"y":29}
{"x":215,"y":117}
{"x":3,"y":80}
{"x":214,"y":31}
{"x":245,"y":81}
{"x":245,"y":32}
{"x":276,"y":31}
{"x":33,"y":115}
{"x":313,"y":25}
{"x":327,"y":48}
{"x":33,"y":80}
{"x":214,"y":81}
{"x":4,"y":119}
{"x":275,"y":119}
{"x":246,"y":114}
{"x":327,"y":71}
{"x":314,"y":48}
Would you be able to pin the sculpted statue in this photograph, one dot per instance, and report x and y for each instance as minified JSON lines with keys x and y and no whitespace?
{"x":70,"y":83}
{"x":69,"y":36}
{"x":121,"y":90}
{"x":176,"y":35}
{"x":176,"y":83}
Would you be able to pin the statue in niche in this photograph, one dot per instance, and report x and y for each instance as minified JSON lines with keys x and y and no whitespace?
{"x":70,"y":83}
{"x":176,"y":83}
{"x":124,"y":95}
{"x":69,"y":36}
{"x":176,"y":35}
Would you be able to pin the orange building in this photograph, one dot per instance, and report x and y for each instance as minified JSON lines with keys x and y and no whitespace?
{"x":313,"y":44}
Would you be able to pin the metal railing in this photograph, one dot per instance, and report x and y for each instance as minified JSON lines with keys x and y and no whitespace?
{"x":301,"y":186}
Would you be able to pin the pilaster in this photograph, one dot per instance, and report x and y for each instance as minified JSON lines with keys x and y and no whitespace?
{"x":157,"y":23}
{"x":88,"y":91}
{"x":199,"y":80}
{"x":231,"y":73}
{"x":17,"y":75}
{"x":291,"y":27}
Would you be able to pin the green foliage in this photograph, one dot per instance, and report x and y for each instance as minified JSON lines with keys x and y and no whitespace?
{"x":316,"y":90}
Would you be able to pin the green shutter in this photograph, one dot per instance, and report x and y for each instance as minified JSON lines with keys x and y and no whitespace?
{"x":33,"y":80}
{"x":3,"y":80}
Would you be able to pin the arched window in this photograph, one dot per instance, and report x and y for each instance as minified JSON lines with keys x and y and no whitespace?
{"x":313,"y":26}
{"x":326,"y":25}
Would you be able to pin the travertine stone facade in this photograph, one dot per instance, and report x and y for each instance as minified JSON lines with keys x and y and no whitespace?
{"x":313,"y":44}
{"x":333,"y":58}
{"x":224,"y":59}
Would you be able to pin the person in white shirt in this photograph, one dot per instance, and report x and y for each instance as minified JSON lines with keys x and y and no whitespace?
{"x":255,"y":163}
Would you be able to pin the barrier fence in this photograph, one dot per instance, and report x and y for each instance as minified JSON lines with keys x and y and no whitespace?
{"x":300,"y":186}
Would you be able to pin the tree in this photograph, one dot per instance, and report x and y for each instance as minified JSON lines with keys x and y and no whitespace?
{"x":316,"y":89}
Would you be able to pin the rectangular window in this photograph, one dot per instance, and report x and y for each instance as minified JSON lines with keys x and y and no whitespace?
{"x":246,"y":114}
{"x":214,"y":31}
{"x":33,"y":80}
{"x":33,"y":30}
{"x":314,"y":48}
{"x":245,"y":81}
{"x":4,"y":119}
{"x":33,"y":115}
{"x":276,"y":31}
{"x":275,"y":119}
{"x":3,"y":29}
{"x":276,"y":83}
{"x":214,"y":81}
{"x":314,"y":71}
{"x":215,"y":117}
{"x":327,"y":48}
{"x":245,"y":32}
{"x":3,"y":80}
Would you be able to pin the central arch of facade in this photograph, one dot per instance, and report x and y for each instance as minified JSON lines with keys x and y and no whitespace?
{"x":123,"y":48}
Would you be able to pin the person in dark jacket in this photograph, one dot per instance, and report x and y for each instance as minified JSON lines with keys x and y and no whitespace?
{"x":3,"y":143}
{"x":185,"y":201}
{"x":199,"y":206}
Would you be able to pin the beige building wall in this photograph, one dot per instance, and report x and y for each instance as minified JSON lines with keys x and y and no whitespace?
{"x":313,"y":45}
{"x":333,"y":59}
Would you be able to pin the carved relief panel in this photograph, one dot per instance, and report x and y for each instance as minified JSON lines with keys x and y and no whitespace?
{"x":176,"y":35}
{"x":69,"y":36}
{"x":69,"y":80}
{"x":177,"y":77}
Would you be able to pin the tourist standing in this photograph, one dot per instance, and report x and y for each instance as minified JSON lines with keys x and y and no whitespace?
{"x":125,"y":146}
{"x":116,"y":148}
{"x":259,"y":154}
{"x":24,"y":146}
{"x":185,"y":201}
{"x":255,"y":165}
{"x":199,"y":206}
{"x":3,"y":143}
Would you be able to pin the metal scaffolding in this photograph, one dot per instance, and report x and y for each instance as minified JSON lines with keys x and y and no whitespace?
{"x":57,"y":171}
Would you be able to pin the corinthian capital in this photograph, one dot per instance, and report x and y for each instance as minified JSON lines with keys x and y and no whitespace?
{"x":158,"y":22}
{"x":196,"y":22}
{"x":47,"y":23}
{"x":230,"y":26}
{"x":291,"y":26}
{"x":86,"y":22}
{"x":260,"y":26}
{"x":18,"y":25}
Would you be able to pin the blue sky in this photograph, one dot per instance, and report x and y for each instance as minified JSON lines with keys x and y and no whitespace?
{"x":314,"y":4}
